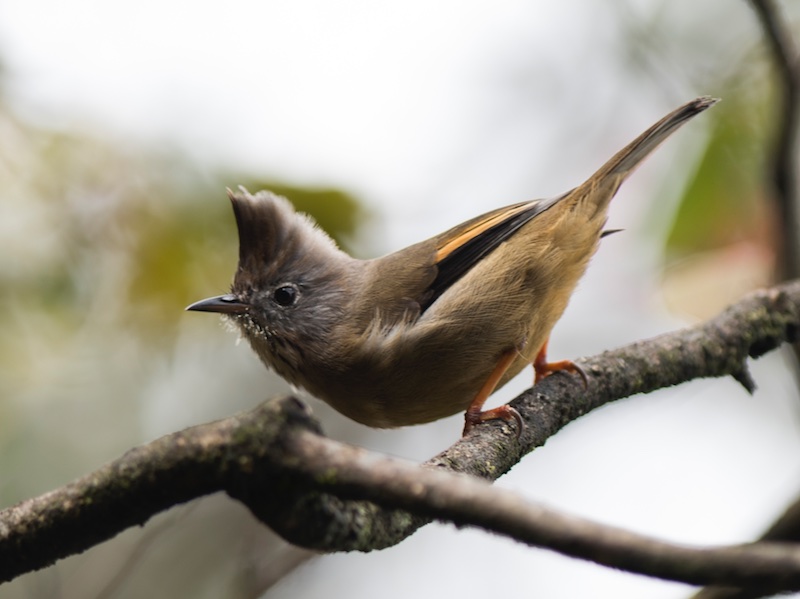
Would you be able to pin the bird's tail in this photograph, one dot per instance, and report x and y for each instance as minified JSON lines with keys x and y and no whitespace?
{"x":622,"y":164}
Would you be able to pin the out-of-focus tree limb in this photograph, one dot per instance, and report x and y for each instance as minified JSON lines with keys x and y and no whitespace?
{"x":782,"y":161}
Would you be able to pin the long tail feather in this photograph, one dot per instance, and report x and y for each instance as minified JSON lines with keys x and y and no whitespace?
{"x":624,"y":161}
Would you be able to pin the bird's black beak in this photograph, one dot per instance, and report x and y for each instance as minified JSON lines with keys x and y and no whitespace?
{"x":224,"y":304}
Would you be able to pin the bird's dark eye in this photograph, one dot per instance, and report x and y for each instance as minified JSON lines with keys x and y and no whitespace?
{"x":285,"y":295}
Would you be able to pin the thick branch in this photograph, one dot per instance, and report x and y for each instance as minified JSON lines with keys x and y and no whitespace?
{"x":258,"y":457}
{"x":465,"y":500}
{"x":130,"y":490}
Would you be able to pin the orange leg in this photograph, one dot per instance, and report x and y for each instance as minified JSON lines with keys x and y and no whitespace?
{"x":475,"y":414}
{"x":543,"y":368}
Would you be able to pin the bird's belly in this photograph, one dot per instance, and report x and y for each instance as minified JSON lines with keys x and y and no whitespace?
{"x":405,"y":394}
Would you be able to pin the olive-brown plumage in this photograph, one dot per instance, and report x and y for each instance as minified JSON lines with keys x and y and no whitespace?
{"x":414,"y":336}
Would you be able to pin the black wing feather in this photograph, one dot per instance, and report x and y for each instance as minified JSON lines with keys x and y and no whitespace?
{"x":458,"y":262}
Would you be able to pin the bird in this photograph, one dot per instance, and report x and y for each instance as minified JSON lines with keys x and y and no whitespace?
{"x":433,"y":329}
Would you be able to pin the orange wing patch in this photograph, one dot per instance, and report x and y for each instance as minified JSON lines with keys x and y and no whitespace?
{"x":458,"y":236}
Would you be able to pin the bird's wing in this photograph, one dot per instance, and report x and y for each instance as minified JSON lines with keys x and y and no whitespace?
{"x":463,"y":246}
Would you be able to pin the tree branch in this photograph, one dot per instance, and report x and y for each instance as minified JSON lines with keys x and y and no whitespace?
{"x":467,"y":501}
{"x":312,"y":490}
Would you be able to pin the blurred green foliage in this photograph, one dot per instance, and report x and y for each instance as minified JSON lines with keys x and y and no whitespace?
{"x":722,"y":203}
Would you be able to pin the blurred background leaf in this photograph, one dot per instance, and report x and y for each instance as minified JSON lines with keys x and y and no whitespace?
{"x":722,"y":239}
{"x":722,"y":203}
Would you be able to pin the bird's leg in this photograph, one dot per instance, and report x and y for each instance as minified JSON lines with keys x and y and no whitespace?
{"x":543,"y":368}
{"x":475,"y":414}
